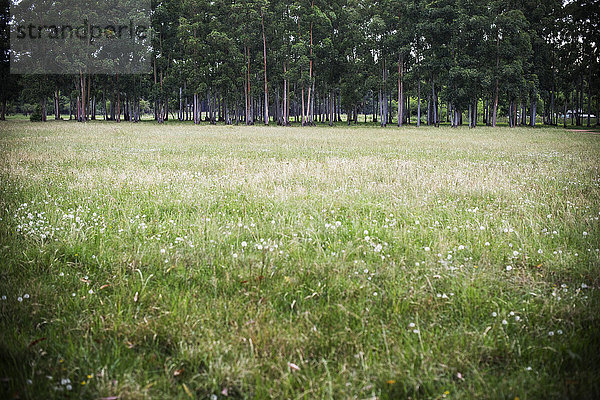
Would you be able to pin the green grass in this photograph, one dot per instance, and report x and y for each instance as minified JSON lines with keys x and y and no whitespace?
{"x":209,"y":262}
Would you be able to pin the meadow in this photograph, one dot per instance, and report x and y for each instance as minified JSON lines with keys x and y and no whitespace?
{"x":216,"y":262}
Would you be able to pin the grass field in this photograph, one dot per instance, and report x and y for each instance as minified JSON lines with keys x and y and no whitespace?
{"x":175,"y":261}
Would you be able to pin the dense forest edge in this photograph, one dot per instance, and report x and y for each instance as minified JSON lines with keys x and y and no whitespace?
{"x":452,"y":62}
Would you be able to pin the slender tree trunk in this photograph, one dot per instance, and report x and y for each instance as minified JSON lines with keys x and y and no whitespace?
{"x":494,"y":117}
{"x":400,"y":90}
{"x":589,"y":113}
{"x":533,"y":108}
{"x":565,"y":114}
{"x":552,"y":121}
{"x":419,"y":103}
{"x":312,"y":104}
{"x":118,"y":105}
{"x":434,"y":101}
{"x":180,"y":113}
{"x":580,"y":106}
{"x":87,"y":98}
{"x":286,"y":120}
{"x":303,"y":109}
{"x":56,"y":104}
{"x":262,"y":21}
{"x":247,"y":88}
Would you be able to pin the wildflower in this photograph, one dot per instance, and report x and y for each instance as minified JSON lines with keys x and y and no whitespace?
{"x":494,"y":314}
{"x":19,"y":299}
{"x":244,"y":244}
{"x":504,"y":322}
{"x":560,"y":332}
{"x":540,"y":251}
{"x":235,"y":255}
{"x":293,"y":366}
{"x":90,"y":291}
{"x":427,"y":249}
{"x":487,"y":243}
{"x":517,"y":318}
{"x":25,"y":296}
{"x":411,"y":325}
{"x":585,"y":233}
{"x":551,"y":333}
{"x":509,"y":268}
{"x":515,"y":253}
{"x":4,"y":297}
{"x":415,"y":331}
{"x":528,"y":369}
{"x":163,"y":251}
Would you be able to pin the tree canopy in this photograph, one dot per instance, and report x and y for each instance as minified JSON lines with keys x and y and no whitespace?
{"x":312,"y":61}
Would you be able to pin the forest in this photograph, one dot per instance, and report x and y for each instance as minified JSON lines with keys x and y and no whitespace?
{"x":454,"y":62}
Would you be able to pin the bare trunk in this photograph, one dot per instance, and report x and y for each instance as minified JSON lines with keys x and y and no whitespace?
{"x":495,"y":115}
{"x":419,"y":103}
{"x":56,"y":104}
{"x":262,"y":21}
{"x":589,"y":113}
{"x":434,"y":102}
{"x":400,"y":90}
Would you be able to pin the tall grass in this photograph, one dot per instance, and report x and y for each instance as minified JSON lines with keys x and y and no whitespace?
{"x":177,"y":261}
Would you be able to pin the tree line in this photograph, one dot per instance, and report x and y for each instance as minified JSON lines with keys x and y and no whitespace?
{"x":323,"y":62}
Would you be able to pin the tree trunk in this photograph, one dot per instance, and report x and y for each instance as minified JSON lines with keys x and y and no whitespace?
{"x":400,"y":90}
{"x":589,"y":113}
{"x":495,"y":115}
{"x":533,"y":108}
{"x":262,"y":21}
{"x":552,"y":122}
{"x":434,"y":102}
{"x":580,"y":103}
{"x":419,"y":103}
{"x":56,"y":104}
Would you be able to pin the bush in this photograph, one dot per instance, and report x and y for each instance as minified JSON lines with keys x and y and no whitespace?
{"x":36,"y":115}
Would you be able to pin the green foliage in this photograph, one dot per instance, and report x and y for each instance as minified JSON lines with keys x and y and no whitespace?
{"x":463,"y":51}
{"x":36,"y":115}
